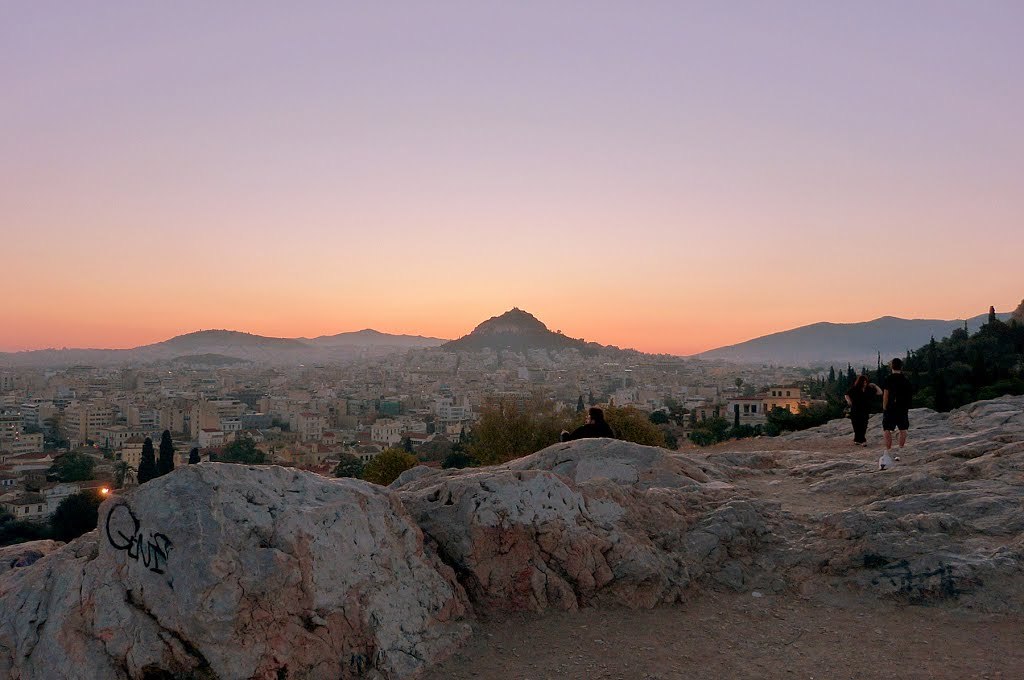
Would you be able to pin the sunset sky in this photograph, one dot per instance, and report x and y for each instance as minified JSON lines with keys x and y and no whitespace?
{"x":669,"y":176}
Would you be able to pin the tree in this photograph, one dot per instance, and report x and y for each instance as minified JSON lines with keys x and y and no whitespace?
{"x":991,"y":314}
{"x":349,"y":466}
{"x":123,"y":473}
{"x":458,"y":459}
{"x":509,"y":429}
{"x":147,"y":466}
{"x":659,"y":418}
{"x":407,"y":444}
{"x":15,"y":531}
{"x":580,"y":406}
{"x":385,"y":467}
{"x":242,"y":451}
{"x":632,"y":425}
{"x":76,"y":515}
{"x":166,"y":462}
{"x":72,"y":467}
{"x":710,"y":431}
{"x":1018,"y":314}
{"x":193,"y":455}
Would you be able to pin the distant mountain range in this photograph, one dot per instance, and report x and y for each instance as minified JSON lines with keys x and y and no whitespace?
{"x":222,"y":346}
{"x":856,"y":343}
{"x":515,"y":330}
{"x":519,"y":331}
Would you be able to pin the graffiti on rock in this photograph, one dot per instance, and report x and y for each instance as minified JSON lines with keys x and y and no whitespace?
{"x":125,"y":533}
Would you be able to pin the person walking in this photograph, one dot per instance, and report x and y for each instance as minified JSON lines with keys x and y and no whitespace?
{"x":896,"y":397}
{"x":859,"y":398}
{"x":594,"y":427}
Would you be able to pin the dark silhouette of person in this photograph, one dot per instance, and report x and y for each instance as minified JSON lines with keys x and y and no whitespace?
{"x":859,"y":397}
{"x":896,"y":398}
{"x":594,"y":427}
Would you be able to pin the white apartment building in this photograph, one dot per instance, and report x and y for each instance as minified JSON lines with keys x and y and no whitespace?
{"x":207,"y":414}
{"x":143,"y":418}
{"x":229,"y":426}
{"x":35,"y":413}
{"x":447,"y":411}
{"x":784,"y":396}
{"x":30,"y":506}
{"x":10,"y":423}
{"x":115,"y":436}
{"x":750,"y":409}
{"x":22,"y":443}
{"x":209,"y":436}
{"x":387,"y":431}
{"x":82,"y":419}
{"x":310,"y":426}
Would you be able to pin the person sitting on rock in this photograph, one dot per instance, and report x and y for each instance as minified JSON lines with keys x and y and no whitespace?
{"x":594,"y":427}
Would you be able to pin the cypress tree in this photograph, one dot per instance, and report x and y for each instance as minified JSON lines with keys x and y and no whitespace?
{"x":579,"y":405}
{"x":166,"y":462}
{"x":147,"y":466}
{"x":193,"y":456}
{"x":991,"y":314}
{"x":831,"y":374}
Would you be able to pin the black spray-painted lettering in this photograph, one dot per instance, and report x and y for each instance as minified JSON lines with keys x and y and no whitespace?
{"x":124,"y":532}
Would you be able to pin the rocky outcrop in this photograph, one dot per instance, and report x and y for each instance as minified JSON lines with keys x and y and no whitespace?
{"x":946,"y":523}
{"x":228,"y":571}
{"x":590,"y":522}
{"x":25,"y":554}
{"x":261,"y":572}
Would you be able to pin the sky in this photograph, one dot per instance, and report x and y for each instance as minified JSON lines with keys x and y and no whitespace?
{"x":669,"y":176}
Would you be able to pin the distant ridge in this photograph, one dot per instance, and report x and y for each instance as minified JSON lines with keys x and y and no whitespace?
{"x":221,"y":346}
{"x":369,"y":335}
{"x":856,"y":343}
{"x":221,"y":338}
{"x":517,"y":330}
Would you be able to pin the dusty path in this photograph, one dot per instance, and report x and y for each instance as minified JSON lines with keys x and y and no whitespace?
{"x":741,"y":636}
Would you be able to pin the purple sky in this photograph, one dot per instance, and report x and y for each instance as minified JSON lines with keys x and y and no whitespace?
{"x":671,"y":176}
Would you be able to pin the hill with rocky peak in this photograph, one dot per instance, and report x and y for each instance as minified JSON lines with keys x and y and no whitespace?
{"x":518,"y":331}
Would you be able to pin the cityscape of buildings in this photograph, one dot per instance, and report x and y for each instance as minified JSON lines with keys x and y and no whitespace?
{"x":308,"y":417}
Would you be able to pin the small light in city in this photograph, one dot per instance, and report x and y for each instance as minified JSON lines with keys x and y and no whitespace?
{"x":104,"y":491}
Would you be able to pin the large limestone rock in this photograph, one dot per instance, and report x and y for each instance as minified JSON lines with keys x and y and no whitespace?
{"x":586,"y":523}
{"x":25,"y":554}
{"x":945,"y":524}
{"x":227,"y":571}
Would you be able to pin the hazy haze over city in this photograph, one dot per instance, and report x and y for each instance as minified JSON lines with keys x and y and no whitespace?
{"x":671,"y":176}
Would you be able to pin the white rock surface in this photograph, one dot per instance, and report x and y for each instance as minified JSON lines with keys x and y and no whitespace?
{"x":25,"y":554}
{"x":946,"y":523}
{"x":235,"y":572}
{"x":582,"y":523}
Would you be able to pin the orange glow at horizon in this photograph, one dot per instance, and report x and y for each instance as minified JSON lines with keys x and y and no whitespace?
{"x":671,"y":180}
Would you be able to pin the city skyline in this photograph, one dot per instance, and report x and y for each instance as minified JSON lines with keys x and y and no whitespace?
{"x":669,"y":178}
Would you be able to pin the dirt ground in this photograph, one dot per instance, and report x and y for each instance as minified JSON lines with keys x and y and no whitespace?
{"x":829,"y":635}
{"x":743,"y":636}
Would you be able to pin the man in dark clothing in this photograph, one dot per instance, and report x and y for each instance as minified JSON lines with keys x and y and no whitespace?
{"x":594,"y":427}
{"x":896,"y":396}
